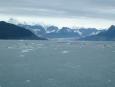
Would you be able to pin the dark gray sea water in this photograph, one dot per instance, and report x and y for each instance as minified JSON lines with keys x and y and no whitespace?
{"x":57,"y":64}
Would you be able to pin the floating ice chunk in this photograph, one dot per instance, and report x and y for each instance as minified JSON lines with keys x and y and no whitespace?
{"x":109,"y":80}
{"x":26,"y":50}
{"x":33,"y":43}
{"x":65,"y":52}
{"x":28,"y":81}
{"x":21,"y":40}
{"x":10,"y":47}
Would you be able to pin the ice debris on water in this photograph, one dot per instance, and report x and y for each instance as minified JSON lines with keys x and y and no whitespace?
{"x":28,"y":81}
{"x":10,"y":47}
{"x":65,"y":52}
{"x":109,"y":80}
{"x":26,"y":50}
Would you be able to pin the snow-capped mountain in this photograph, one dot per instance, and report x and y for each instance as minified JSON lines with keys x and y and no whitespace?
{"x":10,"y":31}
{"x":107,"y":35}
{"x":52,"y":29}
{"x":55,"y":32}
{"x":64,"y":32}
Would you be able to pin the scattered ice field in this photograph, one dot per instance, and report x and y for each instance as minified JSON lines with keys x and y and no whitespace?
{"x":57,"y":64}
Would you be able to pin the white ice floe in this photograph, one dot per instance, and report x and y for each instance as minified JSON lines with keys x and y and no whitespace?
{"x":21,"y":40}
{"x":109,"y":80}
{"x":10,"y":47}
{"x":33,"y":43}
{"x":65,"y":52}
{"x":26,"y":50}
{"x":40,"y":44}
{"x":28,"y":81}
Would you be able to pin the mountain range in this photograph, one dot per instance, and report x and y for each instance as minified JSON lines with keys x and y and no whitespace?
{"x":11,"y":31}
{"x":64,"y":32}
{"x":86,"y":34}
{"x":108,"y":35}
{"x":55,"y":32}
{"x":37,"y":32}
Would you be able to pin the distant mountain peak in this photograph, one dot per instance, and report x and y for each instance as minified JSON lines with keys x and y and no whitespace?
{"x":2,"y":22}
{"x":13,"y":21}
{"x":108,"y":35}
{"x":12,"y":31}
{"x":112,"y":27}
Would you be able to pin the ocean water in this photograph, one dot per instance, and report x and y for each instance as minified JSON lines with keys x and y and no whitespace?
{"x":57,"y":64}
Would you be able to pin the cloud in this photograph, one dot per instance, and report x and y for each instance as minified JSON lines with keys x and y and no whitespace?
{"x":101,"y":9}
{"x":66,"y":8}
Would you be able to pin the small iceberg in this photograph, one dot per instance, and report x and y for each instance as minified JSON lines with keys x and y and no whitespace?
{"x":28,"y":81}
{"x":26,"y":50}
{"x":65,"y":51}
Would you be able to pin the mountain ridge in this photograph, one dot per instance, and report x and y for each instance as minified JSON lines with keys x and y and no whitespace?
{"x":108,"y":35}
{"x":11,"y":31}
{"x":64,"y":32}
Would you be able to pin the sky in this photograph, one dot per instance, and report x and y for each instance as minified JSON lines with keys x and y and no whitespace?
{"x":80,"y":13}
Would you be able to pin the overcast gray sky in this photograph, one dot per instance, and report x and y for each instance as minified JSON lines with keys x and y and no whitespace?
{"x":87,"y":13}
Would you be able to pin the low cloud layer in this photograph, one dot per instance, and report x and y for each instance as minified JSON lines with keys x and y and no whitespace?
{"x":101,"y":9}
{"x":62,"y":8}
